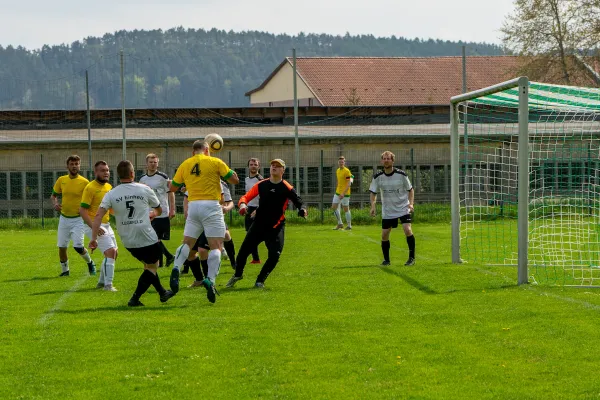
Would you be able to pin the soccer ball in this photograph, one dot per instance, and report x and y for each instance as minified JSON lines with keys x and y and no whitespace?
{"x":214,"y":141}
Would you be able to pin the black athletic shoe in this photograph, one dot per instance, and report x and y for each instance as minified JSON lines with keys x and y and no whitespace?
{"x":411,"y":261}
{"x":170,"y":260}
{"x":174,"y":281}
{"x":166,"y":296}
{"x":211,"y":291}
{"x":385,"y":263}
{"x":66,"y":273}
{"x":135,"y":303}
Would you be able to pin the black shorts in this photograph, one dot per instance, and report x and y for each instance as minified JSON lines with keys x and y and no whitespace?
{"x":162,"y":227}
{"x":202,"y":242}
{"x":148,"y":254}
{"x":393,"y":222}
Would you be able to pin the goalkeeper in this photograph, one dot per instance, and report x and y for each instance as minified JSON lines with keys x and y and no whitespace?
{"x":269,"y":222}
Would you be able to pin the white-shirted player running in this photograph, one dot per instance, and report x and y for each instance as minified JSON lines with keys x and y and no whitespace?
{"x":130,"y":202}
{"x":397,"y":202}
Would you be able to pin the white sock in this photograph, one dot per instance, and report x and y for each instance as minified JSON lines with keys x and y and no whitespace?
{"x":338,"y":216}
{"x":109,"y":271}
{"x":64,"y":266}
{"x":86,"y":257}
{"x":348,"y":218}
{"x":214,"y":264}
{"x":181,"y":254}
{"x":101,"y":278}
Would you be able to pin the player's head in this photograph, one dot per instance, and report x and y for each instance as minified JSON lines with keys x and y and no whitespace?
{"x":277,"y":168}
{"x":341,"y":161}
{"x":199,"y":147}
{"x":73,"y":164}
{"x":125,"y":170}
{"x":152,"y":162}
{"x":253,"y":165}
{"x":387,"y":159}
{"x":101,"y":171}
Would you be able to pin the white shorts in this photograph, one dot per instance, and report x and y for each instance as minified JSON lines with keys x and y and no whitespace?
{"x":70,"y":229}
{"x":345,"y":201}
{"x":106,"y":241}
{"x":205,"y":216}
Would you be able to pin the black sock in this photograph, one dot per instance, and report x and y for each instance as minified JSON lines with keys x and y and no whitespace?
{"x":195,"y":267}
{"x":230,"y":249}
{"x":411,"y":246}
{"x":160,"y":261}
{"x":165,"y":251}
{"x":255,"y":256}
{"x":186,"y":266}
{"x":146,"y":279}
{"x":204,"y":267}
{"x":156,"y":283}
{"x":385,"y":247}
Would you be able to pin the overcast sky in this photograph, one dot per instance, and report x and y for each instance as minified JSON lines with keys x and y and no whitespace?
{"x":34,"y":23}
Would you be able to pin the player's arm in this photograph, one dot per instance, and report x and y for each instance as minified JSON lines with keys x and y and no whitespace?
{"x":96,"y":227}
{"x":178,"y":180}
{"x":172,"y":209}
{"x":227,"y":206}
{"x":227,"y":174}
{"x":56,"y":191}
{"x":411,"y":199}
{"x":373,"y":197}
{"x":245,"y":199}
{"x":349,"y":179}
{"x":154,"y":203}
{"x":85,"y":216}
{"x":297,"y":200}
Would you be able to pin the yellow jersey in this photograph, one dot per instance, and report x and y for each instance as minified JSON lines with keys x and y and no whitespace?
{"x":343,"y":176}
{"x":92,"y":197}
{"x":201,"y":176}
{"x":71,"y":190}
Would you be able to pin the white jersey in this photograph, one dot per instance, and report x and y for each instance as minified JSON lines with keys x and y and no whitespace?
{"x":394,"y":190}
{"x":130,"y":203}
{"x":251,"y":181}
{"x":159,"y":182}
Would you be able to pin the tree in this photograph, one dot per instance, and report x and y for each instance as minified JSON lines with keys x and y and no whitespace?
{"x":554,"y":37}
{"x":352,"y":98}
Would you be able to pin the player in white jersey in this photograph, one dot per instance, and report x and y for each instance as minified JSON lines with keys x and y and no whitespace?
{"x":397,"y":202}
{"x":159,"y":182}
{"x":130,"y":202}
{"x":252,"y":179}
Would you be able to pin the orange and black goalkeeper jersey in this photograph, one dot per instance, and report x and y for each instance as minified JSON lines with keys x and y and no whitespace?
{"x":273,"y":201}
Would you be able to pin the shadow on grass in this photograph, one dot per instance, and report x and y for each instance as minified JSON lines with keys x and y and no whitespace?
{"x":412,"y":282}
{"x":35,"y":278}
{"x":94,"y":289}
{"x":165,"y":307}
{"x":357,"y":267}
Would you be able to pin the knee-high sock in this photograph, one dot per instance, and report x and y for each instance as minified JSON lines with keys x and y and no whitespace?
{"x":214,"y":264}
{"x":268,"y":267}
{"x":385,"y":247}
{"x":204,"y":268}
{"x":157,"y":285}
{"x":109,"y":271}
{"x":411,"y":245}
{"x":144,"y":282}
{"x":230,"y":249}
{"x":165,"y":250}
{"x":348,"y":218}
{"x":195,"y":267}
{"x":64,"y":265}
{"x":338,"y":216}
{"x":181,"y":254}
{"x":101,"y":277}
{"x":86,"y":257}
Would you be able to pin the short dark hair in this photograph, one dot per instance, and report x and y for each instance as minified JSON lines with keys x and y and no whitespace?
{"x":255,"y":160}
{"x":341,"y":158}
{"x":101,"y":162}
{"x":73,"y":157}
{"x":124,"y":169}
{"x":199,"y":145}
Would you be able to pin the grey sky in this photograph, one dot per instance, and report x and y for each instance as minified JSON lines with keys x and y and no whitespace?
{"x":34,"y":23}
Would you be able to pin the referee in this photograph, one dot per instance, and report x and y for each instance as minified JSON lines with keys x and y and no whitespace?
{"x":159,"y":182}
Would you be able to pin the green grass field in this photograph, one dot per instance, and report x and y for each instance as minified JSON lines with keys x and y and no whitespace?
{"x":330,"y":324}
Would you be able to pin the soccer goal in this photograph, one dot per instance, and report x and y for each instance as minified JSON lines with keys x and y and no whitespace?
{"x":525,"y":180}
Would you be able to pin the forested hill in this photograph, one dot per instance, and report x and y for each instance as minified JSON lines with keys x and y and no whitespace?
{"x":180,"y":67}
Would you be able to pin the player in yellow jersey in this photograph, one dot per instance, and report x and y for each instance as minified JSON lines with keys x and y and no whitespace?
{"x":342,"y":194}
{"x":201,"y":174}
{"x":70,"y":226}
{"x":90,"y":202}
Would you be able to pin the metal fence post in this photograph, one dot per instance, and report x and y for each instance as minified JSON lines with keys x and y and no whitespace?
{"x":41,"y":188}
{"x":322,"y":206}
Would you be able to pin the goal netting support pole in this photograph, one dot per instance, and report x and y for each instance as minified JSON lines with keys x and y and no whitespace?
{"x":522,"y":84}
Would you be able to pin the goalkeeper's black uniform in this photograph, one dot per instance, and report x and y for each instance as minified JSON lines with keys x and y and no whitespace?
{"x":269,"y":223}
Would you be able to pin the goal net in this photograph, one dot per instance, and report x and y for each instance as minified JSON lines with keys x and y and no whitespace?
{"x":526,"y":184}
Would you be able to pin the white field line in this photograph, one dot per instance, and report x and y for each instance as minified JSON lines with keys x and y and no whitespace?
{"x":61,"y":301}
